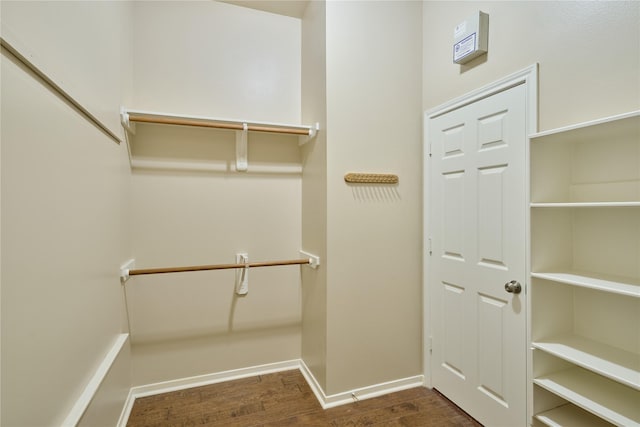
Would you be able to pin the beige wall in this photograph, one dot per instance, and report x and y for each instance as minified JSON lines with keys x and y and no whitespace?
{"x":77,"y":44}
{"x":65,"y":188}
{"x":588,"y":52}
{"x":219,"y":60}
{"x":373,"y":232}
{"x":314,"y":191}
{"x":361,"y":309}
{"x":216,"y":59}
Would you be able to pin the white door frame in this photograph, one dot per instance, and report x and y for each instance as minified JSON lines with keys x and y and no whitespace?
{"x":528,"y":77}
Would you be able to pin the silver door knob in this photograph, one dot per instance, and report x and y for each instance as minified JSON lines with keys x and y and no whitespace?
{"x":513,"y":287}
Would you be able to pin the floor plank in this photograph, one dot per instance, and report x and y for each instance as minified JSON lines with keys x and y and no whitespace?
{"x":285,"y":399}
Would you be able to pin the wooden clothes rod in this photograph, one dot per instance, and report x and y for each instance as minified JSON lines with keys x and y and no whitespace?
{"x":133,"y":117}
{"x":138,"y":272}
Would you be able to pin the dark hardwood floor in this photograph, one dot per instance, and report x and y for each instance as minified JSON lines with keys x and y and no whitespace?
{"x":285,"y":399}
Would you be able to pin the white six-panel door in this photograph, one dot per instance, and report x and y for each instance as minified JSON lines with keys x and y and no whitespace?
{"x":477,"y":209}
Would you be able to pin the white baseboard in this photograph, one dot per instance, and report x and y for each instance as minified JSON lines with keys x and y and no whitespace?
{"x":126,"y":410}
{"x":90,"y":390}
{"x":362,"y":393}
{"x":324,"y":400}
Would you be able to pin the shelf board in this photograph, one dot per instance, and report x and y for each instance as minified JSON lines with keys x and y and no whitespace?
{"x":619,"y":365}
{"x":570,"y":416}
{"x":584,"y":126}
{"x":614,"y":284}
{"x":607,"y":399}
{"x":129,"y":115}
{"x":212,"y":167}
{"x":629,"y":204}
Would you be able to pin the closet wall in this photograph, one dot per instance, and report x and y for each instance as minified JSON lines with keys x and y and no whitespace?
{"x":374,"y":124}
{"x":363,"y":323}
{"x":65,"y":196}
{"x":588,"y":54}
{"x":314,"y":190}
{"x":190,"y":206}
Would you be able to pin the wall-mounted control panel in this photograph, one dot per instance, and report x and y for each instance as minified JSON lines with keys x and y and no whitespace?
{"x":471,"y":38}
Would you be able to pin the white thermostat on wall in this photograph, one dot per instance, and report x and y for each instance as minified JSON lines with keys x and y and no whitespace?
{"x":470,"y":38}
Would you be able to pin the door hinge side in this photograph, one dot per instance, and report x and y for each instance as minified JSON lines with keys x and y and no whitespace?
{"x":430,"y":251}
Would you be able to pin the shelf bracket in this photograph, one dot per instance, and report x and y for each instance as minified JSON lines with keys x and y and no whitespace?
{"x":124,"y":270}
{"x":314,"y":260}
{"x":313,"y":131}
{"x":126,"y":123}
{"x":241,"y":148}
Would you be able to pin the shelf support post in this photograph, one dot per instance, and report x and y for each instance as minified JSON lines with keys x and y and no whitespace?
{"x":241,"y":148}
{"x":242,"y":274}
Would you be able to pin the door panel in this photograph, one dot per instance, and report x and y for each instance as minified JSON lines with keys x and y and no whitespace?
{"x":453,"y":346}
{"x":453,"y":232}
{"x":477,"y":212}
{"x":491,"y":379}
{"x":490,"y":216}
{"x":453,"y":141}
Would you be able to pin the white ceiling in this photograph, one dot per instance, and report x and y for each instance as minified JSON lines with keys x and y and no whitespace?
{"x":294,"y":8}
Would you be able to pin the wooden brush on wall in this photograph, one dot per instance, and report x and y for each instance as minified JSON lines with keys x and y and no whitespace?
{"x":371,"y":178}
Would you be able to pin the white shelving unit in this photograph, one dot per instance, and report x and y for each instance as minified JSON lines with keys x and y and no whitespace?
{"x":619,"y":365}
{"x":570,"y":416}
{"x":608,"y":283}
{"x":606,"y":399}
{"x":585,"y":273}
